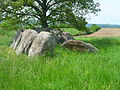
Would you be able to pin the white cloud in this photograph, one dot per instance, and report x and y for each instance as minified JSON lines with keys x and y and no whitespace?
{"x":110,"y":12}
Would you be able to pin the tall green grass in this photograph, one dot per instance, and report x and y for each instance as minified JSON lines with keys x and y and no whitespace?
{"x":72,"y":31}
{"x":66,"y":70}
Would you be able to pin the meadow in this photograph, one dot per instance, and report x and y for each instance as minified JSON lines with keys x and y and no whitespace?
{"x":65,"y":70}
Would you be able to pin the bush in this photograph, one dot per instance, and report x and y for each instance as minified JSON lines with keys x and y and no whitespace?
{"x":9,"y":24}
{"x":78,"y":23}
{"x":14,"y":24}
{"x":62,"y":25}
{"x":94,"y":28}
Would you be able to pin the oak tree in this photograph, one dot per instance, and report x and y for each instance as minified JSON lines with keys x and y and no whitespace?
{"x":47,"y":11}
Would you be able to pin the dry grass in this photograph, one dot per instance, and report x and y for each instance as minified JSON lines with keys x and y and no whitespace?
{"x":106,"y":32}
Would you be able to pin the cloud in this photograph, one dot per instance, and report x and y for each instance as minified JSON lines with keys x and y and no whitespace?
{"x":110,"y":12}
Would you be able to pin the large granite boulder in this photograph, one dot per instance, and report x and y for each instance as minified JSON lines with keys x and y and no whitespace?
{"x":79,"y":46}
{"x":43,"y":43}
{"x":67,"y":36}
{"x":17,"y":38}
{"x":23,"y":40}
{"x":59,"y":35}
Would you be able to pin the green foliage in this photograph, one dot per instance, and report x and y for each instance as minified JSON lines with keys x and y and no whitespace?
{"x":74,"y":22}
{"x":67,"y":70}
{"x":2,"y":32}
{"x":72,"y":31}
{"x":9,"y":24}
{"x":94,"y":28}
{"x":62,"y":25}
{"x":46,"y":11}
{"x":78,"y":23}
{"x":14,"y":24}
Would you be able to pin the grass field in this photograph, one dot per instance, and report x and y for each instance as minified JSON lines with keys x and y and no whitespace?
{"x":72,"y":31}
{"x":66,"y":70}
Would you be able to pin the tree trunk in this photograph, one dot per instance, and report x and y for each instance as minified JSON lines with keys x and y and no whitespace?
{"x":44,"y":17}
{"x":44,"y":23}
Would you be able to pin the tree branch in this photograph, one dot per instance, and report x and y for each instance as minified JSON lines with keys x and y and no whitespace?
{"x":40,"y":3}
{"x":36,"y":9}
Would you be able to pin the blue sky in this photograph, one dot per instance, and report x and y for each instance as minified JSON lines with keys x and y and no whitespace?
{"x":109,"y":14}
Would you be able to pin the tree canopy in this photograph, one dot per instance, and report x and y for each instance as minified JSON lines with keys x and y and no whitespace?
{"x":47,"y":11}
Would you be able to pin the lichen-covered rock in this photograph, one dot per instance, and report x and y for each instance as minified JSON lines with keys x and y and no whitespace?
{"x":17,"y":38}
{"x":67,"y":36}
{"x":25,"y":40}
{"x":43,"y":43}
{"x":59,"y":35}
{"x":79,"y":46}
{"x":37,"y":42}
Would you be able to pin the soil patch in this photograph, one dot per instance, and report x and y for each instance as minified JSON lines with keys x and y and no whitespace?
{"x":104,"y":32}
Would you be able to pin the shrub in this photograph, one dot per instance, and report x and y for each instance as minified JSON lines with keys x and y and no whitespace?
{"x":9,"y":24}
{"x":94,"y":28}
{"x":14,"y":24}
{"x":62,"y":25}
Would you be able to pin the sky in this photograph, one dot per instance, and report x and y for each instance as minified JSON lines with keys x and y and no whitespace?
{"x":109,"y":14}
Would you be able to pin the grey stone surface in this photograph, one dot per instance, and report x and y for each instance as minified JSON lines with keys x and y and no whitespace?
{"x":17,"y":38}
{"x":79,"y":46}
{"x":43,"y":43}
{"x":59,"y":35}
{"x":38,"y":42}
{"x":25,"y":41}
